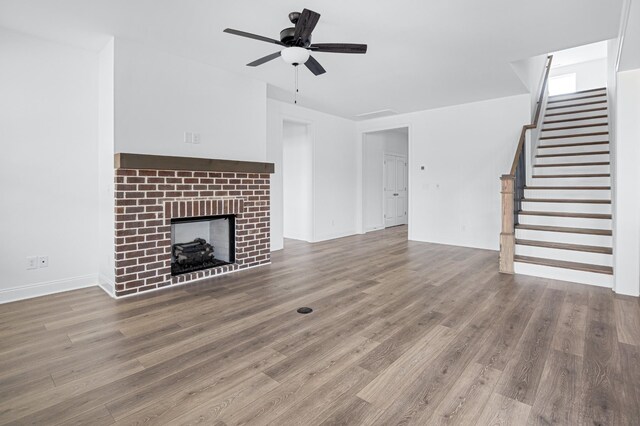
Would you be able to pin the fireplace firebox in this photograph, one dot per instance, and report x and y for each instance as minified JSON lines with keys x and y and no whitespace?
{"x":204,"y":242}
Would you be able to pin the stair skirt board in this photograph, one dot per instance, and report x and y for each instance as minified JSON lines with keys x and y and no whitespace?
{"x":581,"y":277}
{"x":565,"y":255}
{"x":565,"y":237}
{"x":568,"y":222}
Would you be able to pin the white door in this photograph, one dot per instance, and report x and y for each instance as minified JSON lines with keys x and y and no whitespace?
{"x":395,"y":190}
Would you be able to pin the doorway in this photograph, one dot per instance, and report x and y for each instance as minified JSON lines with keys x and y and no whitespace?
{"x":395,"y":190}
{"x":297,"y":181}
{"x":385,"y":179}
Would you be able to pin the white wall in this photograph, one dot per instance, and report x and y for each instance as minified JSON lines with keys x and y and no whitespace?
{"x":627,"y":184}
{"x":530,"y":71}
{"x":376,"y":144}
{"x":49,"y":165}
{"x":334,"y":171}
{"x":159,"y":96}
{"x":589,"y":75}
{"x":465,"y":149}
{"x":297,"y":180}
{"x":106,"y":148}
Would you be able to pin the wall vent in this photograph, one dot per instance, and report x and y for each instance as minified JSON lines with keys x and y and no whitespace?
{"x":376,"y":114}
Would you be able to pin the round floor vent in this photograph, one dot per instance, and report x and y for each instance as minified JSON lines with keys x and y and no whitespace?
{"x":305,"y":310}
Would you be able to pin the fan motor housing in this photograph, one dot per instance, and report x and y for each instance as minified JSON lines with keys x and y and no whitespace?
{"x":287,"y":38}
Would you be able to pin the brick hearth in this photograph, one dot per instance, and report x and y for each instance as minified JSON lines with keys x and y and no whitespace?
{"x":147,"y":200}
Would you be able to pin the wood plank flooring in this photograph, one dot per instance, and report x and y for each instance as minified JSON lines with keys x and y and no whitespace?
{"x":401,"y":333}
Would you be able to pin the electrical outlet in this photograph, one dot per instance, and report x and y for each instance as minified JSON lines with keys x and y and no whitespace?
{"x":43,"y":261}
{"x":195,"y":138}
{"x":32,"y":262}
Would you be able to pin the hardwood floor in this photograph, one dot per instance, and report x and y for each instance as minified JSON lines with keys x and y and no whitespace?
{"x":401,"y":333}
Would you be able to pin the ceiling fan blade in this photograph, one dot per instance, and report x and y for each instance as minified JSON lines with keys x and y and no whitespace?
{"x":314,"y":66}
{"x":263,"y":60}
{"x":339,"y":48}
{"x":253,"y":36}
{"x":306,"y":23}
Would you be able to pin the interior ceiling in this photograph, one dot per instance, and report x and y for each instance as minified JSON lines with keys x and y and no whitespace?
{"x":422,"y":54}
{"x":576,"y":55}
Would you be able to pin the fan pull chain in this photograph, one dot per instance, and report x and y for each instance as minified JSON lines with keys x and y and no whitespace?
{"x":295,"y":96}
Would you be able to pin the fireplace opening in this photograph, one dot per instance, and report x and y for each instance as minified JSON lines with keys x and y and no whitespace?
{"x":199,"y":243}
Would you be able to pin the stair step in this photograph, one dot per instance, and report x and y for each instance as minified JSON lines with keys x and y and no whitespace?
{"x":564,"y":145}
{"x":581,"y":126}
{"x":552,"y":101}
{"x":565,"y":265}
{"x":573,"y":176}
{"x":575,"y":135}
{"x":571,"y":188}
{"x":597,"y":89}
{"x":553,"y":114}
{"x":577,"y":105}
{"x":567,"y":120}
{"x":565,"y":246}
{"x":564,"y":200}
{"x":573,"y":154}
{"x":566,"y":214}
{"x":599,"y":163}
{"x":564,"y":229}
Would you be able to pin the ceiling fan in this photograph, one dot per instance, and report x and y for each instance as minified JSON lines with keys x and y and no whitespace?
{"x":297,"y":43}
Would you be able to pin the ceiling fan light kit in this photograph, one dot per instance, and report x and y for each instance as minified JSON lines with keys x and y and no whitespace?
{"x":295,"y":55}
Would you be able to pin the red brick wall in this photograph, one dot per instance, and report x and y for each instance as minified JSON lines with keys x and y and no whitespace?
{"x":145,"y":202}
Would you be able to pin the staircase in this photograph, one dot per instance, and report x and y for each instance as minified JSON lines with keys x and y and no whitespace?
{"x":564,"y":222}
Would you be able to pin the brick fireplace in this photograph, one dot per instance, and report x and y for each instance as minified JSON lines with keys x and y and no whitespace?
{"x":150,"y":191}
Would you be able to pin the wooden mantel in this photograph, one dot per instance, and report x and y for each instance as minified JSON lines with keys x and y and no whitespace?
{"x":162,"y":162}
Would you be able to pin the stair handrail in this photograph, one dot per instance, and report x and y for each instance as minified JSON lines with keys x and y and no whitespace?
{"x":512,"y":184}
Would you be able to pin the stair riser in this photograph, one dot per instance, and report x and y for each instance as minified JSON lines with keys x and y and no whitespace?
{"x":551,"y":108}
{"x":565,"y":237}
{"x":566,"y":207}
{"x":579,"y":139}
{"x":579,"y":131}
{"x":577,"y":95}
{"x":571,"y":194}
{"x":573,"y":159}
{"x":566,"y":255}
{"x":601,"y":280}
{"x":591,"y":181}
{"x":578,"y":100}
{"x":580,"y":113}
{"x":569,"y":222}
{"x":571,"y":149}
{"x":570,"y":170}
{"x":602,"y":121}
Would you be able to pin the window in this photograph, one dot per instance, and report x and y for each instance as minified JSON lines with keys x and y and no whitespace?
{"x":561,"y":84}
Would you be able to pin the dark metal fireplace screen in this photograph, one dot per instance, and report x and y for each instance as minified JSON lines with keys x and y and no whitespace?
{"x":199,"y":243}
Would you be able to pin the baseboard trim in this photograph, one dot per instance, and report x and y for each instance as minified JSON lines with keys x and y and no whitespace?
{"x":107,"y":285}
{"x":45,"y":288}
